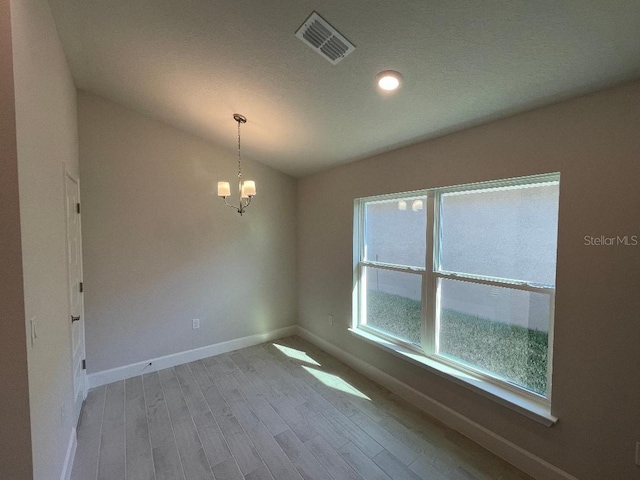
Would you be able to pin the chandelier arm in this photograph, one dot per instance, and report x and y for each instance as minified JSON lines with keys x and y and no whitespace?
{"x":246,"y":203}
{"x":227,"y":204}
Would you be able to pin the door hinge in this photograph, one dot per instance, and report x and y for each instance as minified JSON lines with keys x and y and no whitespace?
{"x":77,"y":207}
{"x":84,"y":364}
{"x":81,"y":287}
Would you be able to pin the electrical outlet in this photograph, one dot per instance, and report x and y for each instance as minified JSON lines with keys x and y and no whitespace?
{"x":638,"y":454}
{"x":330,"y":319}
{"x":195,"y":323}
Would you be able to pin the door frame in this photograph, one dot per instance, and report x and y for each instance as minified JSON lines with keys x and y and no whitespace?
{"x":68,"y":175}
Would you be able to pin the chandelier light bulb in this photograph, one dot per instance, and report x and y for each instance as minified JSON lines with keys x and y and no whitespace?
{"x":250,"y":187}
{"x":224,"y":190}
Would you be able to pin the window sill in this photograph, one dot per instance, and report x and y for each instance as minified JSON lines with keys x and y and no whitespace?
{"x":536,"y":411}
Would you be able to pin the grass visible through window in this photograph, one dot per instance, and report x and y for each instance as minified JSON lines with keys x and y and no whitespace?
{"x":514,"y":353}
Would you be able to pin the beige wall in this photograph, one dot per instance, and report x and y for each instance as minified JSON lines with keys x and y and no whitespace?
{"x":160,"y":248}
{"x":46,"y":142}
{"x":15,"y":436}
{"x":594,"y":142}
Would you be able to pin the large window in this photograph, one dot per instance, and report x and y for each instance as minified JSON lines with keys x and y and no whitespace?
{"x":464,"y":276}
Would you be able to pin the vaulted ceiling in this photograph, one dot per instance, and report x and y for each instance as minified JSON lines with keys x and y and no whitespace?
{"x":193,"y":63}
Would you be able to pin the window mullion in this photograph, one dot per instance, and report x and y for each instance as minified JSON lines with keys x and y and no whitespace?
{"x":496,"y":282}
{"x":357,"y":313}
{"x":429,"y":295}
{"x":552,"y":307}
{"x":394,"y":268}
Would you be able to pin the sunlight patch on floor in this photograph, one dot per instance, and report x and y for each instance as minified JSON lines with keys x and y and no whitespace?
{"x":335,"y":381}
{"x":297,"y":354}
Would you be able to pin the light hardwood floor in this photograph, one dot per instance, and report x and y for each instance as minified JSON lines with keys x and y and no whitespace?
{"x":281,"y":410}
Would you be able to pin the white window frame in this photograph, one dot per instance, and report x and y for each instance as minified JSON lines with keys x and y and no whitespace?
{"x":530,"y":403}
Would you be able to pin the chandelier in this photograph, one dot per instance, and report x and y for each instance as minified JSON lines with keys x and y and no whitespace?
{"x":246,"y":189}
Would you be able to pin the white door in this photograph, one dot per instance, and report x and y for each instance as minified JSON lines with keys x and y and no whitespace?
{"x":76,"y":310}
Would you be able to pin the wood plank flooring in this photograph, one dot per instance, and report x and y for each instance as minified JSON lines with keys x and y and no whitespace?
{"x":283,"y":410}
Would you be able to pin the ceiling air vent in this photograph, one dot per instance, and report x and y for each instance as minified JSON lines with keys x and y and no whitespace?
{"x":324,"y":39}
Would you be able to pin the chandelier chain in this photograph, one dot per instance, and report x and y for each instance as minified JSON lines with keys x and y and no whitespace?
{"x":239,"y":160}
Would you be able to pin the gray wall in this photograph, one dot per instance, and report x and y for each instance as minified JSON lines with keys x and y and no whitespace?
{"x":15,"y":433}
{"x":160,"y":248}
{"x":46,"y":133}
{"x":593,"y":141}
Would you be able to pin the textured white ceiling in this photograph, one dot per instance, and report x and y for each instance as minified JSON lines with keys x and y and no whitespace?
{"x":193,"y":63}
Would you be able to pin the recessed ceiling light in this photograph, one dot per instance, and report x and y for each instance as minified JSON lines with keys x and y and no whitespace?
{"x":389,"y":80}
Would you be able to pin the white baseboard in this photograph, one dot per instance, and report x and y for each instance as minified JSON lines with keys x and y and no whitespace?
{"x":505,"y":449}
{"x":69,"y":457}
{"x":132,"y":370}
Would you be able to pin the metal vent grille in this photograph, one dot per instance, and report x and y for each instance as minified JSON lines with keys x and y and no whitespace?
{"x":324,"y":39}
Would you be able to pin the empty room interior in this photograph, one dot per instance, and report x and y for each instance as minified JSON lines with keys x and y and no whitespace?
{"x":320,"y":240}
